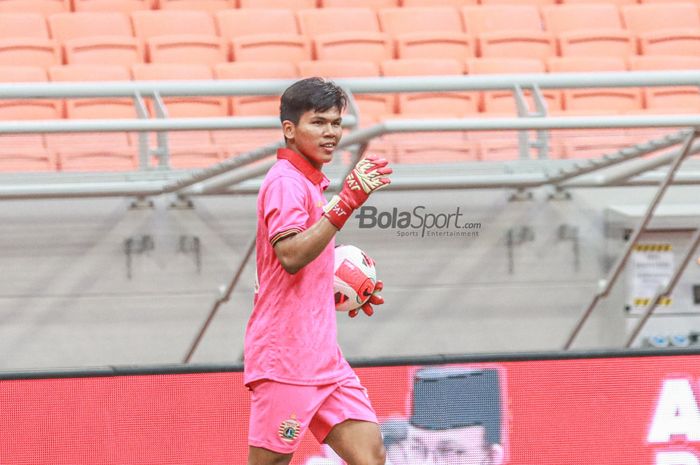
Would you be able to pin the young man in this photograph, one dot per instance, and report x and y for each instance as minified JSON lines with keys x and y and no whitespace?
{"x":297,"y":374}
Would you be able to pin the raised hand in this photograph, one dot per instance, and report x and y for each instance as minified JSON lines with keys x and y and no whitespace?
{"x":370,"y":174}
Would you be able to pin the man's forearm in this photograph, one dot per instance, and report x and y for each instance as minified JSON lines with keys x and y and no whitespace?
{"x":296,"y":251}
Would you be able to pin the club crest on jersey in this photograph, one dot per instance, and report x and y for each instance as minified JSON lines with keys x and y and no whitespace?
{"x":289,"y":429}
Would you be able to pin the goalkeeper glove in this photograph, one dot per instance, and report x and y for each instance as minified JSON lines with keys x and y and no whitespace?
{"x":367,"y":177}
{"x":374,"y":299}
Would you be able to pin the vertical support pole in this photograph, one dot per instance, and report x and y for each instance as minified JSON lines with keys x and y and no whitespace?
{"x":617,"y":269}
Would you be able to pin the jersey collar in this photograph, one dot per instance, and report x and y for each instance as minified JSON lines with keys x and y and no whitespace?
{"x":302,"y":164}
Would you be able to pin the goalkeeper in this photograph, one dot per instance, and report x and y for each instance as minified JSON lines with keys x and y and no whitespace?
{"x":298,"y":377}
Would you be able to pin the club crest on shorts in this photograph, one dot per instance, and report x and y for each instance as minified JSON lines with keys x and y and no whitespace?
{"x":289,"y":429}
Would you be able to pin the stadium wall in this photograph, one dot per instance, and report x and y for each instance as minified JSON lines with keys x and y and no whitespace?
{"x":66,"y":298}
{"x":576,"y":408}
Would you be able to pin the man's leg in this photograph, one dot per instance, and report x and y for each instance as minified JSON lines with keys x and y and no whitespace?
{"x":260,"y":456}
{"x":357,"y":442}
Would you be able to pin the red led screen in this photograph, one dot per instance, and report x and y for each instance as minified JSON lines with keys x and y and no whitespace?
{"x":606,"y":411}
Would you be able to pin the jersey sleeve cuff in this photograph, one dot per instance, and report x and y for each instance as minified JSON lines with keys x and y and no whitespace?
{"x":282,"y":234}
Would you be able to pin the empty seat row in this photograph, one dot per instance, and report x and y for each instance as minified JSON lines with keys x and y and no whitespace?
{"x":372,"y":107}
{"x":47,"y":7}
{"x":257,"y":35}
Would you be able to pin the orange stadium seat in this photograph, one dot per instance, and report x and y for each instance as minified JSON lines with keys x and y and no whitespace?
{"x":509,"y":31}
{"x":263,"y":34}
{"x":614,"y":100}
{"x":360,"y":37}
{"x":121,"y":6}
{"x":196,"y":156}
{"x":15,"y":158}
{"x":44,"y":7}
{"x":503,"y":102}
{"x":205,"y":5}
{"x":241,"y":140}
{"x":681,"y":99}
{"x":433,"y":146}
{"x":97,"y":158}
{"x":424,"y":32}
{"x":27,"y":109}
{"x":372,"y":107}
{"x":185,"y":143}
{"x":183,"y":106}
{"x":446,"y":104}
{"x":24,"y":40}
{"x":256,"y":21}
{"x":586,"y":143}
{"x":456,"y":3}
{"x":26,"y":152}
{"x":519,"y":2}
{"x":614,"y":2}
{"x":96,"y":37}
{"x":256,"y":104}
{"x":289,"y":4}
{"x":663,"y":62}
{"x":166,"y":43}
{"x":697,"y":2}
{"x":14,"y":25}
{"x":91,"y":108}
{"x":589,"y":30}
{"x":665,"y":28}
{"x":374,"y":4}
{"x":87,"y":108}
{"x":430,"y":152}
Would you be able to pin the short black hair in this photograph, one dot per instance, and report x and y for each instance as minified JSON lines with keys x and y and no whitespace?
{"x":313,"y":93}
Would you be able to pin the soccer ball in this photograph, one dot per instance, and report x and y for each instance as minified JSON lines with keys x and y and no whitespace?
{"x":355,"y":278}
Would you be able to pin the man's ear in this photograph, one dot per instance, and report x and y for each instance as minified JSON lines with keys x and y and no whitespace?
{"x":288,"y":129}
{"x":497,"y":454}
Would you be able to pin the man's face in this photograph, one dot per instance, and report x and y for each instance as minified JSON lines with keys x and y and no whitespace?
{"x":458,"y":446}
{"x":315,"y":136}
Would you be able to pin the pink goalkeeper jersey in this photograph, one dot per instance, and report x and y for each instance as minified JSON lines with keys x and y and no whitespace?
{"x":291,"y":335}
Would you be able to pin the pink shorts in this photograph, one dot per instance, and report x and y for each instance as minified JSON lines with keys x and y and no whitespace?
{"x":281,"y":413}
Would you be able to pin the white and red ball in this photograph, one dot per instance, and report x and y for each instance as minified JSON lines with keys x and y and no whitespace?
{"x":355,"y":278}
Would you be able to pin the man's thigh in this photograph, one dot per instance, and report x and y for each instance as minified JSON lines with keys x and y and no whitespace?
{"x":348,"y":401}
{"x":280,"y":414}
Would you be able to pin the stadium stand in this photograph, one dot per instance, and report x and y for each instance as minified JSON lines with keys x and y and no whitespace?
{"x":187,"y":148}
{"x":43,"y":7}
{"x":360,"y":37}
{"x":665,"y":28}
{"x":26,"y":152}
{"x":454,"y":3}
{"x":512,"y":31}
{"x":503,"y":102}
{"x":289,"y":4}
{"x":166,"y":43}
{"x":27,"y":108}
{"x":373,"y":107}
{"x":375,"y":4}
{"x":589,"y":30}
{"x":25,"y":40}
{"x":96,"y":38}
{"x":424,"y":32}
{"x":432,"y":146}
{"x":263,"y":35}
{"x":93,"y":151}
{"x":121,"y":6}
{"x":204,"y":5}
{"x":232,"y":142}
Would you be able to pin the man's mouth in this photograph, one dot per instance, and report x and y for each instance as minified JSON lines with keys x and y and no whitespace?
{"x":329,"y":145}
